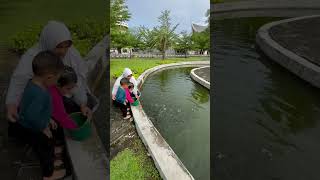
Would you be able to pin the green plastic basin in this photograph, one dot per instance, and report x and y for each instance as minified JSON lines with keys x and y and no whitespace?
{"x":84,"y":127}
{"x":136,"y":102}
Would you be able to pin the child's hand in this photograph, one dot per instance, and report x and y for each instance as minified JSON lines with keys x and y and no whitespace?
{"x":86,"y":111}
{"x":47,"y":132}
{"x":53,"y":124}
{"x":113,"y":97}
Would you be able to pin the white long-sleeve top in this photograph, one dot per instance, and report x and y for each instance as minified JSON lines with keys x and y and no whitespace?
{"x":52,"y":34}
{"x":125,"y":73}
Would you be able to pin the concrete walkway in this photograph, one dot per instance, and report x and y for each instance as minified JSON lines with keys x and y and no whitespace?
{"x":122,"y":131}
{"x":293,"y":44}
{"x":203,"y":73}
{"x":10,"y":151}
{"x":265,"y":8}
{"x":301,"y":37}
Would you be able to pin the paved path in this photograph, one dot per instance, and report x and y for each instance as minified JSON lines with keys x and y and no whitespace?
{"x":122,"y":131}
{"x":301,"y":37}
{"x":264,"y":8}
{"x":203,"y":73}
{"x":9,"y":151}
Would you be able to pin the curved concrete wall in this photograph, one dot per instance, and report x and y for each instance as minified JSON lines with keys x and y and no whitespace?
{"x":167,"y":162}
{"x":199,"y":79}
{"x":286,"y":58}
{"x":265,"y":8}
{"x":89,"y":157}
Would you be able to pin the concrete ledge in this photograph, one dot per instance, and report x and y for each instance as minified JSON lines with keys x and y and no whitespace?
{"x":88,"y":158}
{"x":167,"y":162}
{"x":265,"y":8}
{"x":286,"y":58}
{"x":199,"y":79}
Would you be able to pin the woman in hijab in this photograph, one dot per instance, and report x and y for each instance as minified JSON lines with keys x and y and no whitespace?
{"x":127,"y":73}
{"x":55,"y":37}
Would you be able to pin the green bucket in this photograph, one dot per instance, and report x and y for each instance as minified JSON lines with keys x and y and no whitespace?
{"x":84,"y":127}
{"x":136,"y":102}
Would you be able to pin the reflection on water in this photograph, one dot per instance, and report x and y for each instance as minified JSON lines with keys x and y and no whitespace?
{"x":179,"y":108}
{"x":266,"y":120}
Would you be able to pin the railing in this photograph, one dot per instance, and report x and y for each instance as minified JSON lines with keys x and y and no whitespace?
{"x":128,"y":56}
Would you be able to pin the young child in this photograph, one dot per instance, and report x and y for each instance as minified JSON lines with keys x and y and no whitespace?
{"x":121,"y":98}
{"x":131,"y":89}
{"x":66,"y":83}
{"x":34,"y":122}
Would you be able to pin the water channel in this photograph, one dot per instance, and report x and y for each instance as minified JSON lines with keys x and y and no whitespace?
{"x":180,"y":110}
{"x":266,"y":120}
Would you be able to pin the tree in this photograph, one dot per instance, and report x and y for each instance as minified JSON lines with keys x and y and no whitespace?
{"x":183,"y":43}
{"x":119,"y":14}
{"x":164,"y":34}
{"x":146,"y":37}
{"x":201,"y":40}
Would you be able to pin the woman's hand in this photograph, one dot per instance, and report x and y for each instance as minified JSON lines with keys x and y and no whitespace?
{"x":12,"y":113}
{"x":113,"y":97}
{"x":86,"y":111}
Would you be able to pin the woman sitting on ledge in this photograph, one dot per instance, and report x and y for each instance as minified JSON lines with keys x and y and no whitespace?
{"x":118,"y":85}
{"x":127,"y":73}
{"x":54,"y":37}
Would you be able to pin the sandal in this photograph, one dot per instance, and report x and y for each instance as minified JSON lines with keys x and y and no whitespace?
{"x":58,"y":150}
{"x":57,"y":174}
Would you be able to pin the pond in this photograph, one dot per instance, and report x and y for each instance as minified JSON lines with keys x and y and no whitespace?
{"x":266,"y":120}
{"x":180,"y":110}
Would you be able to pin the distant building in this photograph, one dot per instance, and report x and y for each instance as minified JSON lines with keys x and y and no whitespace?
{"x":198,"y":28}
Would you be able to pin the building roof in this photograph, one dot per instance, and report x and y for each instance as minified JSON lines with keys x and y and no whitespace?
{"x":198,"y":28}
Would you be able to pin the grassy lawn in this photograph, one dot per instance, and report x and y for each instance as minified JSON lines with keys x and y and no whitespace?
{"x":133,"y":164}
{"x":138,"y":66}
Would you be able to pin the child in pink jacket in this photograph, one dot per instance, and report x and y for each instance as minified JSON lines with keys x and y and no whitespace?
{"x":66,"y":83}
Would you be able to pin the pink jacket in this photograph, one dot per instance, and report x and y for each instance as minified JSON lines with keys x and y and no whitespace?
{"x":58,"y":112}
{"x":128,"y":96}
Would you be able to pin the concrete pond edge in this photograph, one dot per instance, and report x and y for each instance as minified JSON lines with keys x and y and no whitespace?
{"x":283,"y":8}
{"x":300,"y":66}
{"x":199,"y":79}
{"x":89,"y":158}
{"x":166,"y":161}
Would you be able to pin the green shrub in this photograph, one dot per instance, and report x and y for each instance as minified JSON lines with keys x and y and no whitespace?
{"x":23,"y":40}
{"x":85,"y":35}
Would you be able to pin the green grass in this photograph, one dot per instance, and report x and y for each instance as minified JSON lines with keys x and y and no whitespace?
{"x":133,"y":164}
{"x":27,"y":13}
{"x":138,"y":66}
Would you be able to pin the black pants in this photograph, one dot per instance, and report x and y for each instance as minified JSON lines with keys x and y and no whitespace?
{"x":123,"y":107}
{"x":41,"y":144}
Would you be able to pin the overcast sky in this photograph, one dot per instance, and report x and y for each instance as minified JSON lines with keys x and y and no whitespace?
{"x":184,"y":12}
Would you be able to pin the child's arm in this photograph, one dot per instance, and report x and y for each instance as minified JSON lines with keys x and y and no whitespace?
{"x":58,"y":111}
{"x":128,"y":96}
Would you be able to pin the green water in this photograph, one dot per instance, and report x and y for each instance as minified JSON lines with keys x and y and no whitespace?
{"x":180,"y":110}
{"x":266,"y":119}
